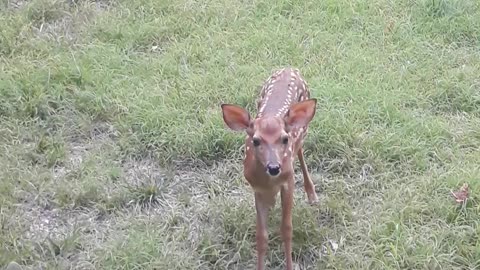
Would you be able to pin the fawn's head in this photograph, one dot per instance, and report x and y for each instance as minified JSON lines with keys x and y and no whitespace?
{"x":269,"y":135}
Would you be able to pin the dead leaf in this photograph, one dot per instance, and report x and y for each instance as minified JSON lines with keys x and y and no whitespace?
{"x":389,"y":27}
{"x":462,"y":195}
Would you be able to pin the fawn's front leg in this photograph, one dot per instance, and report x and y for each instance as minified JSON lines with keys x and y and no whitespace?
{"x":286,"y":227}
{"x":262,"y":208}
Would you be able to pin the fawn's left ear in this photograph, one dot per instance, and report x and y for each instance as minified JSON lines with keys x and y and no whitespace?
{"x":300,"y":114}
{"x":236,"y":117}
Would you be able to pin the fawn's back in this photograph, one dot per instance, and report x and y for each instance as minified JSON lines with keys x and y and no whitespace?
{"x":282,"y":89}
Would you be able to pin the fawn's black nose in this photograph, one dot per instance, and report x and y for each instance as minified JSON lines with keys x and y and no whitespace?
{"x":273,"y":169}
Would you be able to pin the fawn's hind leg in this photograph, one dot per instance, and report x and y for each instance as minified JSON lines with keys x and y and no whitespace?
{"x":307,"y":181}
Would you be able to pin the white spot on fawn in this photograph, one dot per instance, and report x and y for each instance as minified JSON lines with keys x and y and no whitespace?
{"x":264,"y":102}
{"x":279,"y":72}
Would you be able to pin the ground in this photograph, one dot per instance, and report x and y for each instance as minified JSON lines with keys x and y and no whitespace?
{"x":114,"y":154}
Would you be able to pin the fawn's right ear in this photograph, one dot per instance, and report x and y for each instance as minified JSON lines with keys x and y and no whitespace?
{"x":236,"y":117}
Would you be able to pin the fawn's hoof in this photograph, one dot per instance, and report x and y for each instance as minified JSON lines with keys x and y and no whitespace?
{"x":313,"y":199}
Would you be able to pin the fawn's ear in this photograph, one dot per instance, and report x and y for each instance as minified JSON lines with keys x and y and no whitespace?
{"x":300,"y":114}
{"x":236,"y":117}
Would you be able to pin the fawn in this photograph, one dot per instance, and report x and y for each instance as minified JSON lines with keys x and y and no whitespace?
{"x":274,"y":137}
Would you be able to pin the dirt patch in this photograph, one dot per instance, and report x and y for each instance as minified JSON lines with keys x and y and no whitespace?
{"x":59,"y":236}
{"x":209,"y":210}
{"x":60,"y":21}
{"x":16,"y":4}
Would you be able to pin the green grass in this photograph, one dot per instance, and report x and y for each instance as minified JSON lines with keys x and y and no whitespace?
{"x":114,"y":154}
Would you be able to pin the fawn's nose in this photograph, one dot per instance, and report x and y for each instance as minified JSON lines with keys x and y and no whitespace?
{"x":273,"y":169}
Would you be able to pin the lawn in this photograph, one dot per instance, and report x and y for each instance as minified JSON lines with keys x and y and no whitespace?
{"x":114,"y":154}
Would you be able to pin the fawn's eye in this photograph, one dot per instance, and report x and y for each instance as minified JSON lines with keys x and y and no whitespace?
{"x":256,"y":141}
{"x":285,"y":140}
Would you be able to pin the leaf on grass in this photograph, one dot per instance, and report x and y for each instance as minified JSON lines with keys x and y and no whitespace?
{"x":462,"y":195}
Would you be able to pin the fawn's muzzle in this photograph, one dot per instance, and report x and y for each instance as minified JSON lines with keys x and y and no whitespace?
{"x":273,"y":169}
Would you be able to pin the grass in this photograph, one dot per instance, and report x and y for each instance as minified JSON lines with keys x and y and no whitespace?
{"x":114,"y":154}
